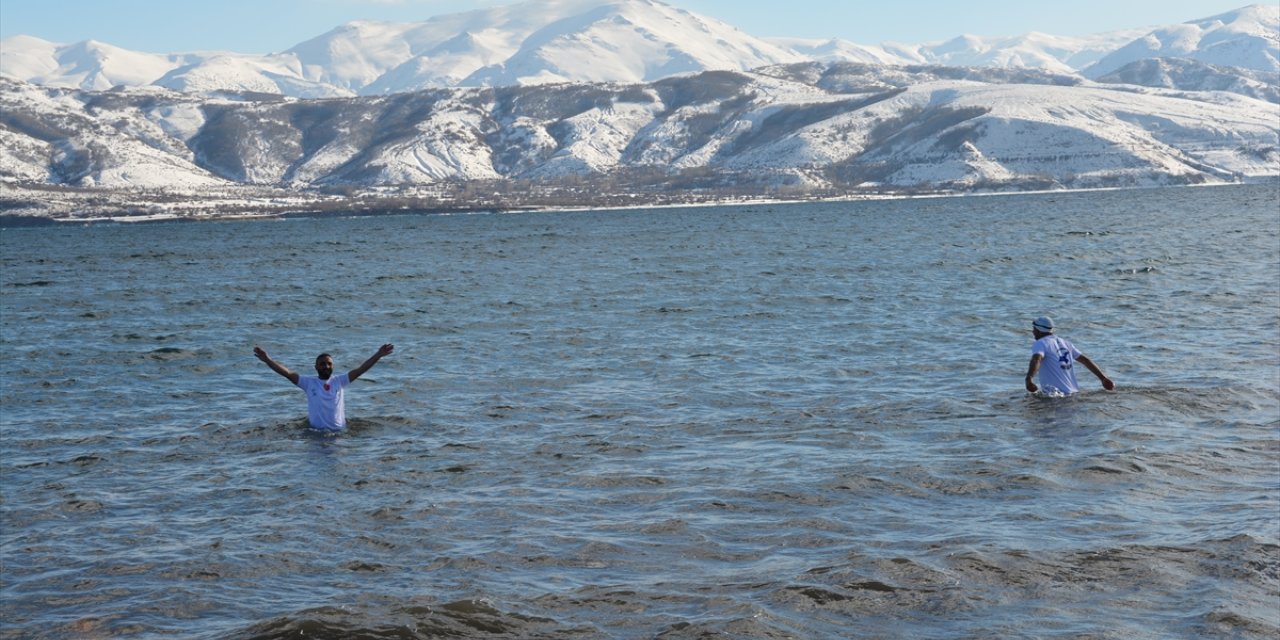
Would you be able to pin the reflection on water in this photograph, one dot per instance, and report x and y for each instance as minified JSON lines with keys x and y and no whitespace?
{"x":761,"y":422}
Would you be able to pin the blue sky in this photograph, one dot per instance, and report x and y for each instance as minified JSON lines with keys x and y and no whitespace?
{"x":264,"y":26}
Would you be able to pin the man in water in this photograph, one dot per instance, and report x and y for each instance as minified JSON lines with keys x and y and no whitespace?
{"x":1057,"y":375}
{"x":325,"y":393}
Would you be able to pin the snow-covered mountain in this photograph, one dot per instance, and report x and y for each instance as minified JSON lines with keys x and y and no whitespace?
{"x":1248,"y":38}
{"x":810,"y":126}
{"x":609,"y":98}
{"x":87,"y":65}
{"x":629,"y":41}
{"x":1034,"y":50}
{"x":536,"y":42}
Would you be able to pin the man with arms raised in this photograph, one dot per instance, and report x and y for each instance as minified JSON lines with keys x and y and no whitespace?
{"x":326,"y":409}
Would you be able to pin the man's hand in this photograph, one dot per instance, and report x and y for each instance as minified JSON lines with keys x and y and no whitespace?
{"x":275,"y":366}
{"x":385,"y":349}
{"x":1031,"y":386}
{"x":1108,"y":384}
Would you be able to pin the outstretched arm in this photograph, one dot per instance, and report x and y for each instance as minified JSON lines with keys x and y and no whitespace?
{"x":1031,"y":372}
{"x":275,"y":366}
{"x":1106,"y":382}
{"x":368,"y":364}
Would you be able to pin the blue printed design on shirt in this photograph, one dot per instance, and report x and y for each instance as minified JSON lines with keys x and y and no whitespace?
{"x":1064,"y":358}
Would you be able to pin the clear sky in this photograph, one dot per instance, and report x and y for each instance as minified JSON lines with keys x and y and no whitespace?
{"x":265,"y":26}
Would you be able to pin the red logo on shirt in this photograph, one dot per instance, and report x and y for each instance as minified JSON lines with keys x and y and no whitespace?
{"x":326,"y":386}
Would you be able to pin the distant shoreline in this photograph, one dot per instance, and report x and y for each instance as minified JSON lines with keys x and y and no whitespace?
{"x":365,"y":207}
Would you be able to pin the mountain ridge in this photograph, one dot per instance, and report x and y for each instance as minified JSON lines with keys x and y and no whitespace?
{"x":551,"y":41}
{"x":1248,"y":37}
{"x":800,"y":128}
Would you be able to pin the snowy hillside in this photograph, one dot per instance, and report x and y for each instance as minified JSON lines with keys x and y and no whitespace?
{"x":806,"y":127}
{"x":57,"y":136}
{"x":629,"y":41}
{"x":1193,"y":75}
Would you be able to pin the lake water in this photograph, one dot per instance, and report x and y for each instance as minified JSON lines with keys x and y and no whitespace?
{"x":779,"y":421}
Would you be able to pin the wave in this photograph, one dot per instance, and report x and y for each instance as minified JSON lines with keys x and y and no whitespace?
{"x":411,"y":619}
{"x":1207,"y":588}
{"x":1164,"y":588}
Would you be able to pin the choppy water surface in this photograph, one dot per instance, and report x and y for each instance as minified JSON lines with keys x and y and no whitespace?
{"x":760,"y":422}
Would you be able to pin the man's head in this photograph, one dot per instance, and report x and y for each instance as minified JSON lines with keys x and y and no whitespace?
{"x":324,"y":366}
{"x":1042,"y":327}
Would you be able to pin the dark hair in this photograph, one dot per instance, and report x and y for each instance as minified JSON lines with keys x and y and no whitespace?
{"x":323,"y":355}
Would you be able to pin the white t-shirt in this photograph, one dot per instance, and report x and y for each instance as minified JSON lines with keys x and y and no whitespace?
{"x":1057,"y":372}
{"x":326,"y":408}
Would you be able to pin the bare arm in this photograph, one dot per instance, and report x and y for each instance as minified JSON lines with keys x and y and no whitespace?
{"x":275,"y":366}
{"x":1106,"y":382}
{"x":385,"y":349}
{"x":1032,"y":368}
